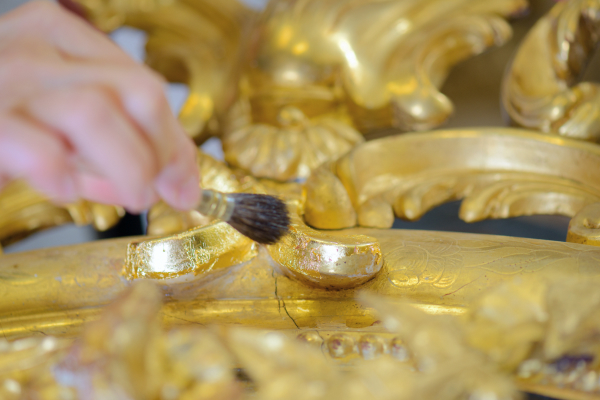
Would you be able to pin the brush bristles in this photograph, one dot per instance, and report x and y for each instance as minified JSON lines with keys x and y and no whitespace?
{"x":260,"y":217}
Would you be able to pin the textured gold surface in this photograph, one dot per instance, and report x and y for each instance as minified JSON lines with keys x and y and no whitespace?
{"x":584,"y":228}
{"x":292,"y":87}
{"x":407,"y":354}
{"x":52,"y":291}
{"x":198,"y":251}
{"x":327,"y":260}
{"x":364,"y":64}
{"x":23,"y":211}
{"x":501,"y":173}
{"x":541,"y":88}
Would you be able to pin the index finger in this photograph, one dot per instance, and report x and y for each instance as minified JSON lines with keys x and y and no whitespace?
{"x":68,"y":33}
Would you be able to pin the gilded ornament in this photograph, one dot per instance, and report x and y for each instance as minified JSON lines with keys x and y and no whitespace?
{"x":500,"y":173}
{"x":364,"y":65}
{"x":25,"y":211}
{"x":314,"y":74}
{"x":542,"y":88}
{"x":126,"y":352}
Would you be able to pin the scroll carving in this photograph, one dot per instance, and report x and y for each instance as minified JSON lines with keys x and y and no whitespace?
{"x":541,"y":88}
{"x":499,"y":172}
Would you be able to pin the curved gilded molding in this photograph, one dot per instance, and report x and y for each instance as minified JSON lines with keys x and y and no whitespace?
{"x":365,"y":64}
{"x":198,"y":251}
{"x":327,"y":260}
{"x":541,"y":89}
{"x":530,"y":334}
{"x":24,"y":211}
{"x":500,"y":173}
{"x":440,"y":272}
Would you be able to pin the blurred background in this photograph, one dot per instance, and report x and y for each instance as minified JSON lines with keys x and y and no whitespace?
{"x":473,"y":86}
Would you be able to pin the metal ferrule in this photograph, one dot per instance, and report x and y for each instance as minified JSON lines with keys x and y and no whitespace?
{"x":216,"y":205}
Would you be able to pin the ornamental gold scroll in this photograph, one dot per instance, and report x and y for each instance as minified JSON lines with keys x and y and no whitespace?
{"x":541,"y":89}
{"x":500,"y":173}
{"x":322,"y":71}
{"x":315,"y":73}
{"x":24,"y":211}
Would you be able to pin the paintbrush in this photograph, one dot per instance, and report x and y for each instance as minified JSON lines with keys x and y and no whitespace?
{"x":260,"y":217}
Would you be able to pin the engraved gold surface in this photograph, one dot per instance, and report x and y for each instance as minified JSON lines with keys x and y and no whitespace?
{"x":541,"y":89}
{"x":53,"y":290}
{"x":500,"y":173}
{"x":408,"y":353}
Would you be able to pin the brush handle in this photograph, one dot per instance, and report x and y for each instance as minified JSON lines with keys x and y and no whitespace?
{"x":216,"y":204}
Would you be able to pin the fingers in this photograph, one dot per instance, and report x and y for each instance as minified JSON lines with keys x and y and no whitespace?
{"x":68,"y":33}
{"x":179,"y":182}
{"x":28,"y":151}
{"x":106,"y":144}
{"x":141,"y":94}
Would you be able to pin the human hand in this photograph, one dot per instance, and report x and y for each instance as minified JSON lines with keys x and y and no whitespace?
{"x":80,"y":119}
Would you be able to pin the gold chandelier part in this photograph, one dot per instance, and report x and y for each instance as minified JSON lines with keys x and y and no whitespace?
{"x":541,"y":88}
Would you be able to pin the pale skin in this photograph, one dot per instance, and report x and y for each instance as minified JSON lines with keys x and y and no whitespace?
{"x":79,"y":119}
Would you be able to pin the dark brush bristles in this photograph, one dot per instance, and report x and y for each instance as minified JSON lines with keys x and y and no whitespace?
{"x":260,"y":217}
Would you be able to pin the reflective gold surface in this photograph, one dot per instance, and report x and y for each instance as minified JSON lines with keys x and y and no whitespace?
{"x":333,"y":261}
{"x":211,"y":247}
{"x":293,"y":86}
{"x":500,"y":173}
{"x":541,"y":89}
{"x":364,"y":64}
{"x":54,"y":290}
{"x":24,"y":211}
{"x":543,"y":339}
{"x":585,"y":226}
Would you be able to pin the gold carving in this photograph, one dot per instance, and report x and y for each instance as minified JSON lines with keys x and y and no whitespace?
{"x":323,"y":259}
{"x":315,"y":73}
{"x":367,"y":64}
{"x":500,"y":172}
{"x":541,"y":340}
{"x":24,"y":211}
{"x":327,"y":260}
{"x":584,"y":228}
{"x":541,"y":88}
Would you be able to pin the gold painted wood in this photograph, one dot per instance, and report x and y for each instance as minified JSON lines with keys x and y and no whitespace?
{"x":364,"y":65}
{"x":500,"y":173}
{"x":54,"y":291}
{"x":293,"y":87}
{"x":24,"y":211}
{"x":541,"y":89}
